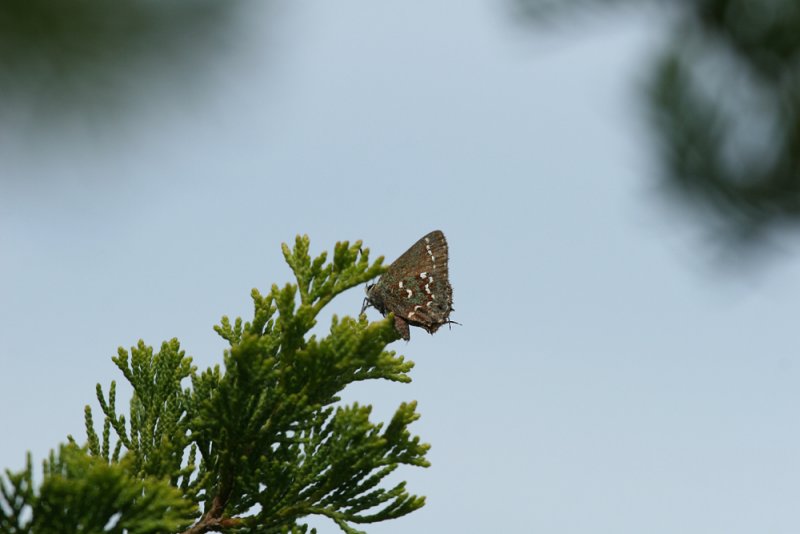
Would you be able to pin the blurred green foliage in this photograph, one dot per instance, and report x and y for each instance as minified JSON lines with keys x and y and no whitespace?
{"x":723,"y":96}
{"x":58,"y":57}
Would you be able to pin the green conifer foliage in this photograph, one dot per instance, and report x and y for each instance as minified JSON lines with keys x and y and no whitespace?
{"x":84,"y":493}
{"x":256,"y":446}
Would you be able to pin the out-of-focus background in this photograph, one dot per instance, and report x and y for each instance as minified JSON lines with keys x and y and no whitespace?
{"x":618,"y":182}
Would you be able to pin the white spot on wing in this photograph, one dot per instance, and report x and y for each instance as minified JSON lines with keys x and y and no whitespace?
{"x":423,"y":275}
{"x":409,"y":293}
{"x":400,"y":285}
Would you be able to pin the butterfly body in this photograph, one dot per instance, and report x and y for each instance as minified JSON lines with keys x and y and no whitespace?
{"x":416,"y":287}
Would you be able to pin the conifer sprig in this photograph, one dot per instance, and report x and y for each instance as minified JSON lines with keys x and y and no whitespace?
{"x":254,"y":446}
{"x":83,"y":493}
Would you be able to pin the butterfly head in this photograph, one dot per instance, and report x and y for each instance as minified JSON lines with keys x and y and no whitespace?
{"x":372,"y":299}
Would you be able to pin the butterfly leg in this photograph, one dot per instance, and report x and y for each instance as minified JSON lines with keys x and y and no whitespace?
{"x":401,"y":325}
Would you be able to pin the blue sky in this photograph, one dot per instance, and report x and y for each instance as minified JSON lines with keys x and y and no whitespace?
{"x":609,"y":376}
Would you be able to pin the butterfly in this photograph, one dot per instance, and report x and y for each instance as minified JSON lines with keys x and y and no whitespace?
{"x":415,"y":288}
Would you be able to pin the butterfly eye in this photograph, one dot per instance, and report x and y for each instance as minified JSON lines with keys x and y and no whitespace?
{"x":369,"y":286}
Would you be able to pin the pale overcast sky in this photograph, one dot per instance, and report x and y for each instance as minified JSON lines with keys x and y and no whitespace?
{"x":607,"y":379}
